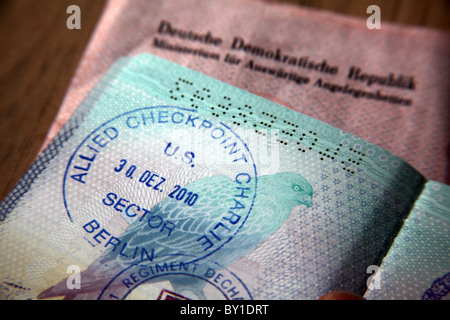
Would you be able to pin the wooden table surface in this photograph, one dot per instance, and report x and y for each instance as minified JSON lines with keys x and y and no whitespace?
{"x":39,"y":55}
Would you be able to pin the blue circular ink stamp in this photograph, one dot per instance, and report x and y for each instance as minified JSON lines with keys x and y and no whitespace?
{"x":158,"y":181}
{"x":439,"y":289}
{"x":172,"y":278}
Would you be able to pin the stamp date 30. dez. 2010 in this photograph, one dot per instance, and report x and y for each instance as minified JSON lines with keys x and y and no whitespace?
{"x":136,"y":135}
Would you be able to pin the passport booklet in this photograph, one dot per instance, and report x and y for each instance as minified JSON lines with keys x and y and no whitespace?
{"x":168,"y":184}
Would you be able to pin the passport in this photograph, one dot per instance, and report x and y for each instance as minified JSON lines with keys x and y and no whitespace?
{"x":168,"y":184}
{"x":389,"y":86}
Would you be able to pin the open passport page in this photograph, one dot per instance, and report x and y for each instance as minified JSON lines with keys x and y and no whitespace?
{"x":230,"y":150}
{"x":168,"y":183}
